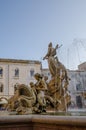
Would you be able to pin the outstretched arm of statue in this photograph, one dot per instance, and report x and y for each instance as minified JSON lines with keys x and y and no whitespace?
{"x":57,"y":46}
{"x":46,"y":57}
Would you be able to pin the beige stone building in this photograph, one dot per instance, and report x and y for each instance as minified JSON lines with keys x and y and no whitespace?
{"x":13,"y":72}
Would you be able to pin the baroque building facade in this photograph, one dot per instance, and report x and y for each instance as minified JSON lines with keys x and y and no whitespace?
{"x":14,"y":72}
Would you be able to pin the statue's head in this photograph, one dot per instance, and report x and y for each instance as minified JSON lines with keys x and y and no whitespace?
{"x":38,"y":76}
{"x":31,"y":84}
{"x":50,"y":44}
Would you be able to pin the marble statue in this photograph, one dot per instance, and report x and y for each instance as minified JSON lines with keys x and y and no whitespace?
{"x":58,"y":85}
{"x":41,"y":95}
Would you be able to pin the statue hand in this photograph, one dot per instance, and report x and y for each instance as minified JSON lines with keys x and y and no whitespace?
{"x":44,"y":58}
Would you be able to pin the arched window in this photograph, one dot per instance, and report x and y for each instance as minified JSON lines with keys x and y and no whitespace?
{"x":16,"y":72}
{"x":1,"y":71}
{"x":1,"y":88}
{"x":32,"y":72}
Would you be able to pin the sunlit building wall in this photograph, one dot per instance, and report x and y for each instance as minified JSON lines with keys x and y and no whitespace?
{"x":14,"y":72}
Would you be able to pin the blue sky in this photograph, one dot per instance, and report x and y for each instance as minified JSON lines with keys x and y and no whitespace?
{"x":27,"y":27}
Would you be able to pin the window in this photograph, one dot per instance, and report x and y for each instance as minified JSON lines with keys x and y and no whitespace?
{"x":48,"y":74}
{"x":79,"y":101}
{"x":78,"y":87}
{"x":17,"y":72}
{"x":32,"y":73}
{"x":1,"y":87}
{"x":1,"y":72}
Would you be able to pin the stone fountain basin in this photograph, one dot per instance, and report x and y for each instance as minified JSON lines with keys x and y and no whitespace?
{"x":42,"y":122}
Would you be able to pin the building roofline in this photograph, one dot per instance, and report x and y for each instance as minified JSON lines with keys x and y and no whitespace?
{"x":19,"y":61}
{"x":82,"y":63}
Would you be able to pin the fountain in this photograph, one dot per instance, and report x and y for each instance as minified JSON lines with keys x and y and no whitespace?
{"x":41,"y":96}
{"x":41,"y":102}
